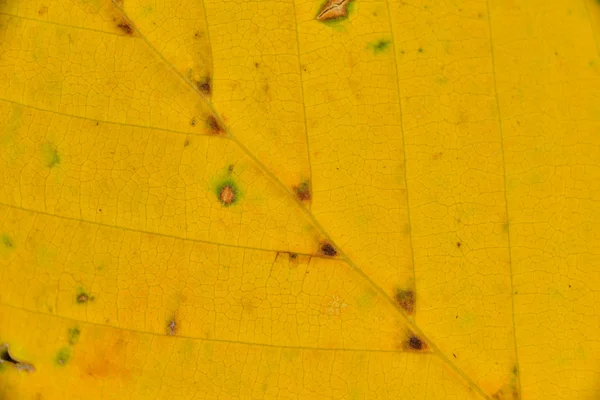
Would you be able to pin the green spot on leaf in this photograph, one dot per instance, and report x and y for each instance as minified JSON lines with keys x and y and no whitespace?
{"x":7,"y":241}
{"x":380,"y":46}
{"x":366,"y":300}
{"x":63,"y":356}
{"x":74,"y":336}
{"x":50,"y":155}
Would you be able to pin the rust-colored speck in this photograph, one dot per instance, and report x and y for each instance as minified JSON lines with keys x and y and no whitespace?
{"x":227,"y":195}
{"x":328,"y":250}
{"x":333,"y":9}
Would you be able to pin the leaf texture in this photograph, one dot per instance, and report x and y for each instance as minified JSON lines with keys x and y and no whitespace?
{"x":299,"y":199}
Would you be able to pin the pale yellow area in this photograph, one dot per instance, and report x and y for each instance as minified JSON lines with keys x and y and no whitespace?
{"x":144,"y":179}
{"x":258,"y":82}
{"x":455,"y":181}
{"x":177,"y":31}
{"x":450,"y":149}
{"x":139,"y":281}
{"x":355,"y":135}
{"x":550,"y":113}
{"x":127,"y":364}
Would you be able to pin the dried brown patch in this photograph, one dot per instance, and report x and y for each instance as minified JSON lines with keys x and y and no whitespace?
{"x":227,"y":195}
{"x":172,"y":327}
{"x":333,"y":9}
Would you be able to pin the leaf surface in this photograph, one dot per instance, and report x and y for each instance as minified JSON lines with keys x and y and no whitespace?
{"x":298,"y":199}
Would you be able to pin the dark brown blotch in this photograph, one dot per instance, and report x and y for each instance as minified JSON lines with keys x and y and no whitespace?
{"x":205,"y":86}
{"x":125,"y":27}
{"x":302,"y":191}
{"x":405,"y":300}
{"x":414,"y":343}
{"x":213,"y":125}
{"x":328,"y":250}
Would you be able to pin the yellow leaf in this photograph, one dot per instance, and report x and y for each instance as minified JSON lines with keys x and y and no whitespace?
{"x":299,"y":199}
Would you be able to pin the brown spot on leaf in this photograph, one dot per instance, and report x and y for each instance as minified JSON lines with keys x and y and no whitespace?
{"x":125,"y":27}
{"x":293,"y":256}
{"x":186,"y":143}
{"x":302,"y":191}
{"x":172,"y":327}
{"x":328,"y":250}
{"x":333,"y":10}
{"x":205,"y":86}
{"x":83,"y":298}
{"x":43,"y":10}
{"x":406,"y":300}
{"x":213,"y":125}
{"x":227,"y":195}
{"x":414,"y":343}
